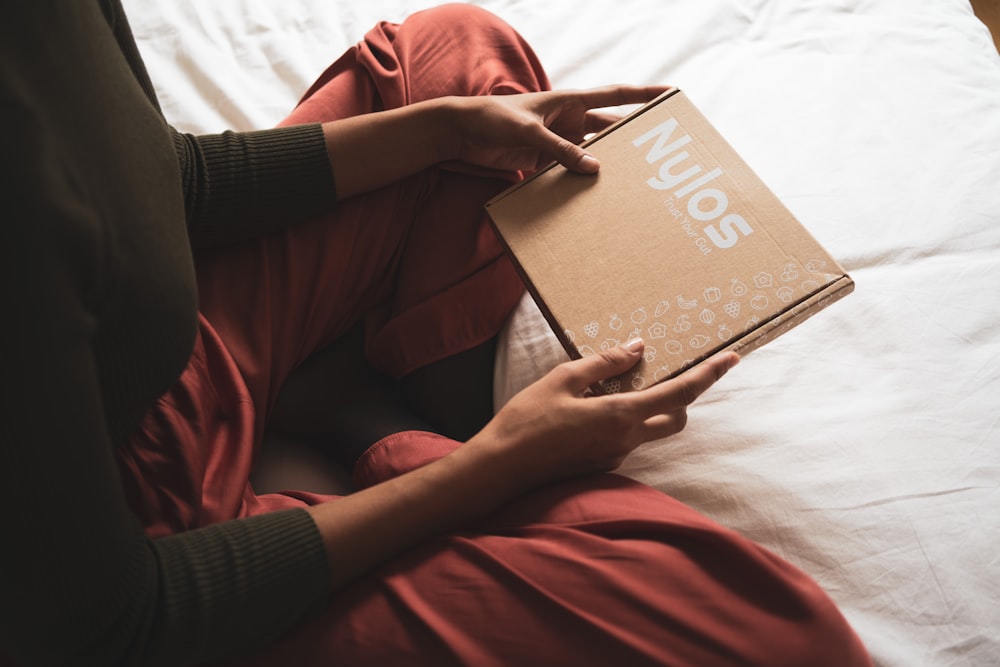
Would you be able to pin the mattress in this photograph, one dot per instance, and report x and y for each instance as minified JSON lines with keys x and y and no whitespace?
{"x":864,"y":446}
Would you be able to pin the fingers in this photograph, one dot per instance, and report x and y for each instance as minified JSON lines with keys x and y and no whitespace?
{"x":660,"y":399}
{"x":498,"y":131}
{"x":583,"y":373}
{"x":664,"y":426}
{"x":596,"y":121}
{"x":666,"y":404}
{"x":565,"y":152}
{"x":683,"y":390}
{"x":661,"y":411}
{"x":618,"y":95}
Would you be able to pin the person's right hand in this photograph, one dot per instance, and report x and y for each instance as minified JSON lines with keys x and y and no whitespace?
{"x":555,"y":429}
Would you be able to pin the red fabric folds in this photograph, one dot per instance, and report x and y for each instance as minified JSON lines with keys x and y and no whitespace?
{"x":598,"y":571}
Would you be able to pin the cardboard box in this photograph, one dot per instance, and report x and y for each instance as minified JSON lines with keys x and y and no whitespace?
{"x":675,"y":240}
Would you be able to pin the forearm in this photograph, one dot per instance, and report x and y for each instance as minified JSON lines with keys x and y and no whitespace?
{"x":549,"y":431}
{"x":370,"y":151}
{"x":373,"y":525}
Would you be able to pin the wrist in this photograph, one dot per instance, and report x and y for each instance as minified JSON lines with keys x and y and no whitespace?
{"x":444,"y":115}
{"x":494,"y":469}
{"x":372,"y":150}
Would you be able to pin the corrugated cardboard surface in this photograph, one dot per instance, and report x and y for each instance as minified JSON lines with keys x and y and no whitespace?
{"x":675,"y":240}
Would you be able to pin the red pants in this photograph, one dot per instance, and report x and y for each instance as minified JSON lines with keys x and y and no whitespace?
{"x":600,"y":570}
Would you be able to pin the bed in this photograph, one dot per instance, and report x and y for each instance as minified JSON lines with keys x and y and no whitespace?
{"x":864,"y":446}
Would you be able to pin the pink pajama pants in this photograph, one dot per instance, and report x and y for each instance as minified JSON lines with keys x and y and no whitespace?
{"x":599,"y":570}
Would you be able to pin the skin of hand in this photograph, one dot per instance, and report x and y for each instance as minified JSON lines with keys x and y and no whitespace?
{"x":527,"y":131}
{"x":552,"y":430}
{"x":508,"y":132}
{"x":555,"y":428}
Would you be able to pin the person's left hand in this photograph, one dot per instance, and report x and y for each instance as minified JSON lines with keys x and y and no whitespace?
{"x":526,"y":131}
{"x":554,"y":428}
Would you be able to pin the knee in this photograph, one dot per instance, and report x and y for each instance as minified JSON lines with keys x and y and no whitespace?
{"x":811,"y":632}
{"x":481,"y":52}
{"x":458,"y":21}
{"x":829,"y":641}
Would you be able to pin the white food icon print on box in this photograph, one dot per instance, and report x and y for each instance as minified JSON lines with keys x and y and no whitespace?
{"x":697,"y":326}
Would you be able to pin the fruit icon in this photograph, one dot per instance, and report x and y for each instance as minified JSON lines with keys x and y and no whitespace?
{"x":683,"y":324}
{"x":570,"y":336}
{"x":759,"y":302}
{"x":662,"y":308}
{"x":725,"y":333}
{"x":737,"y":287}
{"x":785,"y":294}
{"x":649,"y":354}
{"x":639,"y":315}
{"x":732,"y":309}
{"x":613,"y":386}
{"x":686,"y":304}
{"x":673,"y":347}
{"x":609,"y":344}
{"x":638,"y":382}
{"x":592,"y":329}
{"x":706,"y":316}
{"x":815,"y":265}
{"x":616,"y":323}
{"x":712,"y":294}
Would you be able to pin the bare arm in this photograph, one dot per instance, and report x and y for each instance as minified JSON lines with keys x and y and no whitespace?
{"x":548,"y":432}
{"x":503,"y":132}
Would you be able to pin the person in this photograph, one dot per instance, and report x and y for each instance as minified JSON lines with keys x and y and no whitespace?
{"x":169,"y":298}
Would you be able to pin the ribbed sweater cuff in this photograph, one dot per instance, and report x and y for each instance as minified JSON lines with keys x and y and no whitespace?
{"x":241,"y":583}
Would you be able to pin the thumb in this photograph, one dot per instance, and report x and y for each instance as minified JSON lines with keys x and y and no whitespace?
{"x":565,"y":152}
{"x":609,"y":363}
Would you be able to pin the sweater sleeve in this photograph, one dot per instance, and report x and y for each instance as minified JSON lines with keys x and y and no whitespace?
{"x":88,"y":196}
{"x":80,"y":583}
{"x":238,"y":185}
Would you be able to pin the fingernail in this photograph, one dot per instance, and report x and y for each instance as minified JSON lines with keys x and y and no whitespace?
{"x":589,"y":163}
{"x":634,"y":345}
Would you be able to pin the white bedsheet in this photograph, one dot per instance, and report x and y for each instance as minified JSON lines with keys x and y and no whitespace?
{"x":864,"y":446}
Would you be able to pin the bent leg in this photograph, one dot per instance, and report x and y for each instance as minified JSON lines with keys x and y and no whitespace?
{"x":452,"y":49}
{"x":417,"y":261}
{"x":599,"y":570}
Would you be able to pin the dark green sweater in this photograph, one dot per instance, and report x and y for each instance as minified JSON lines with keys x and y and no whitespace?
{"x":101,"y":202}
